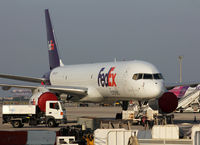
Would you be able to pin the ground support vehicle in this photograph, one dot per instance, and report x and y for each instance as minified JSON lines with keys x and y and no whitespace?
{"x":52,"y":115}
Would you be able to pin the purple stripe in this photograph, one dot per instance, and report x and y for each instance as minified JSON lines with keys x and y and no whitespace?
{"x":54,"y":60}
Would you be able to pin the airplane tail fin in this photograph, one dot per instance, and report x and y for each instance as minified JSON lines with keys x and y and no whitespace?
{"x":54,"y":60}
{"x":179,"y":91}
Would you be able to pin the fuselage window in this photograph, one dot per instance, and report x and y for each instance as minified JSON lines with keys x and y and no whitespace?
{"x":148,"y":76}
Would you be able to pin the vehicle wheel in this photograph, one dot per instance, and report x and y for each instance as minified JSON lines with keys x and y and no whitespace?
{"x":16,"y":123}
{"x":21,"y":125}
{"x":51,"y":123}
{"x":181,"y":111}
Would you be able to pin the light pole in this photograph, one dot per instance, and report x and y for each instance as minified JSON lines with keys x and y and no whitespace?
{"x":180,"y":63}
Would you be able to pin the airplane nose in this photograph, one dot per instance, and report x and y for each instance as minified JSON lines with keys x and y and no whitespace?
{"x":152,"y":90}
{"x":158,"y":89}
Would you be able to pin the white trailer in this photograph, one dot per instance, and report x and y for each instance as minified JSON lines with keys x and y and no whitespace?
{"x":19,"y":109}
{"x":17,"y":115}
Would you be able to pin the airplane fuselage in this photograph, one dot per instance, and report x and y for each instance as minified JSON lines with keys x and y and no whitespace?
{"x":112,"y":80}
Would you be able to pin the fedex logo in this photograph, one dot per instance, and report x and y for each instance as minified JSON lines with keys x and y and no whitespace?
{"x":51,"y":45}
{"x":107,"y":79}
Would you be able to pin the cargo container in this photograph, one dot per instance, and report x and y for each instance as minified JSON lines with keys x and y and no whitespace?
{"x":113,"y":136}
{"x":196,"y":134}
{"x":165,"y":132}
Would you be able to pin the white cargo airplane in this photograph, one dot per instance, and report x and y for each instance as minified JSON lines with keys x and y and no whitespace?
{"x":100,"y":82}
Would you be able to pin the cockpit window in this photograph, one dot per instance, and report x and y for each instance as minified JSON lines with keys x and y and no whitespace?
{"x":157,"y":76}
{"x":140,"y":76}
{"x":148,"y":76}
{"x":137,"y":76}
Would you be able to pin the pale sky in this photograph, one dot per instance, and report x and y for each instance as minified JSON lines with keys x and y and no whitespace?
{"x":90,"y":31}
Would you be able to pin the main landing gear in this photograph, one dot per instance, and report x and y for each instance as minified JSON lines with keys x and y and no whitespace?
{"x":124,"y":106}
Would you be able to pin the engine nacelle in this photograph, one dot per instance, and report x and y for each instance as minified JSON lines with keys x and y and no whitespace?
{"x":93,"y":96}
{"x":167,"y":103}
{"x":48,"y":96}
{"x":40,"y":96}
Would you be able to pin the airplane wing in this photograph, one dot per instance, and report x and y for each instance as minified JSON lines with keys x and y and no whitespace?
{"x":68,"y":89}
{"x":81,"y":91}
{"x":22,"y":78}
{"x":170,"y":86}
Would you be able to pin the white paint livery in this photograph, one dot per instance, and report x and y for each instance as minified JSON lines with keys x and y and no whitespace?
{"x":87,"y":75}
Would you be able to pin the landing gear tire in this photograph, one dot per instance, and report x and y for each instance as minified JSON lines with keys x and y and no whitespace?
{"x":17,"y":124}
{"x":118,"y":116}
{"x":125,"y":105}
{"x":22,"y":125}
{"x":51,"y":123}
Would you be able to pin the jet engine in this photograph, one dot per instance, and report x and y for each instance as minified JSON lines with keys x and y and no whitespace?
{"x":93,"y":96}
{"x":40,"y":96}
{"x":167,"y":103}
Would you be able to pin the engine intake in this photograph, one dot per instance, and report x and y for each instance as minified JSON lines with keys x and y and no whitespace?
{"x":167,"y":103}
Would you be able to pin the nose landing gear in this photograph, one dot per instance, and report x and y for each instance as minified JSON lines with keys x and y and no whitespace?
{"x":141,"y":107}
{"x":124,"y":106}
